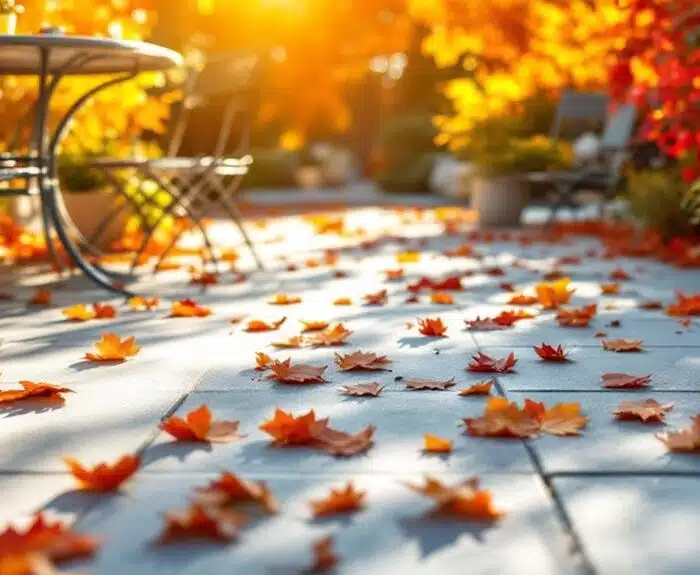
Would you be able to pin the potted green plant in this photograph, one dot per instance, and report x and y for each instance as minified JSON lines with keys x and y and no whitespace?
{"x":9,"y":11}
{"x":499,"y":190}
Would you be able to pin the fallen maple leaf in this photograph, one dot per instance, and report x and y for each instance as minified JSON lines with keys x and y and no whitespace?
{"x":435,"y":444}
{"x":379,"y":298}
{"x":199,"y":425}
{"x":522,"y":299}
{"x":138,"y":303}
{"x":112,"y":348}
{"x":563,"y":419}
{"x":486,"y":324}
{"x":650,"y":304}
{"x":262,"y":361}
{"x":502,"y":418}
{"x":342,"y":301}
{"x":494,"y":271}
{"x":483,"y":363}
{"x":510,"y":317}
{"x":284,"y":299}
{"x":610,"y":289}
{"x":505,"y":286}
{"x":200,"y":522}
{"x":408,"y":257}
{"x":291,"y":342}
{"x":363,"y":389}
{"x":684,"y":440}
{"x":103,"y":477}
{"x":256,"y":325}
{"x":413,"y":298}
{"x":600,"y":334}
{"x":79,"y":312}
{"x":429,"y":384}
{"x":285,"y":372}
{"x":619,"y":274}
{"x":463,"y":501}
{"x":432,"y":327}
{"x":104,"y":311}
{"x":684,"y":306}
{"x":441,"y":298}
{"x":622,"y":345}
{"x":289,"y":430}
{"x":340,"y":443}
{"x":625,"y":380}
{"x":450,"y":283}
{"x":336,"y":335}
{"x":341,"y":500}
{"x":188,"y":308}
{"x":42,"y":296}
{"x":230,"y":489}
{"x":360,"y":360}
{"x":325,"y":558}
{"x":314,"y":325}
{"x":576,"y":317}
{"x":204,"y":279}
{"x":647,"y":411}
{"x":549,"y":353}
{"x":394,"y":275}
{"x":31,"y":390}
{"x":479,"y":388}
{"x":552,"y":295}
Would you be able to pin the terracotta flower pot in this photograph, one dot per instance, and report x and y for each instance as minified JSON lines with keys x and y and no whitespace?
{"x":88,"y":211}
{"x":501,"y":200}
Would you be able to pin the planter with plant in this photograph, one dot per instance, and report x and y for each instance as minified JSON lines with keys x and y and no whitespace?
{"x":9,"y":12}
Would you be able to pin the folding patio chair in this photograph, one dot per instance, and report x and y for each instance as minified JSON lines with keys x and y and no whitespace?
{"x":604,"y":176}
{"x":195,"y":184}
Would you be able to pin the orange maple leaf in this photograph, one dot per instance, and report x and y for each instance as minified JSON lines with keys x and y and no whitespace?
{"x":502,"y":418}
{"x":188,"y":308}
{"x":262,"y":361}
{"x":685,"y":305}
{"x":563,"y":419}
{"x":204,"y":279}
{"x":429,"y":384}
{"x":104,"y":311}
{"x":394,"y":275}
{"x":340,"y":443}
{"x":684,"y":440}
{"x":610,"y":289}
{"x":201,"y":522}
{"x":285,"y":372}
{"x":435,"y":444}
{"x":650,"y":304}
{"x":432,"y":327}
{"x":103,"y":477}
{"x":619,"y":274}
{"x":408,"y":257}
{"x":79,"y":312}
{"x":199,"y":425}
{"x":360,"y":360}
{"x":284,"y":299}
{"x":342,"y":500}
{"x":486,"y":324}
{"x":138,"y":303}
{"x":363,"y":389}
{"x":31,"y":390}
{"x":522,"y":299}
{"x":479,"y":388}
{"x":463,"y":501}
{"x":506,"y":286}
{"x":314,"y":325}
{"x":336,"y":335}
{"x":625,"y":380}
{"x":622,"y":345}
{"x":112,"y":348}
{"x":509,"y":317}
{"x":379,"y":298}
{"x":576,"y":317}
{"x":483,"y":363}
{"x":255,"y":325}
{"x":325,"y":558}
{"x":549,"y":353}
{"x":441,"y":298}
{"x":647,"y":411}
{"x":230,"y":489}
{"x":291,"y":342}
{"x":552,"y":295}
{"x":42,"y":296}
{"x":287,"y":429}
{"x":342,"y":301}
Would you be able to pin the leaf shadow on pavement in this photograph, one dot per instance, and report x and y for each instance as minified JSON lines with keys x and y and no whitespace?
{"x":28,"y":406}
{"x":434,"y":534}
{"x":179,"y":450}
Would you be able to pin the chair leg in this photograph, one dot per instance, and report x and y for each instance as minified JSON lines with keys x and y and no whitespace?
{"x":232,"y":208}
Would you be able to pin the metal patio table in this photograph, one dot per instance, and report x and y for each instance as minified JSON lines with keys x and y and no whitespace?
{"x":53,"y":56}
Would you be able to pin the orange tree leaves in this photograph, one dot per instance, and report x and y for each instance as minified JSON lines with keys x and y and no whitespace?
{"x":363,"y":389}
{"x":625,"y":380}
{"x":549,"y":353}
{"x":479,"y":388}
{"x":285,"y":372}
{"x":256,"y":325}
{"x":435,"y":444}
{"x":483,"y":363}
{"x":684,"y":440}
{"x":432,"y":327}
{"x":230,"y":489}
{"x":552,"y":295}
{"x":199,"y":425}
{"x":200,"y":522}
{"x":341,"y":500}
{"x":429,"y":384}
{"x":647,"y":411}
{"x":188,"y":308}
{"x":112,"y":348}
{"x":622,"y":345}
{"x":31,"y":390}
{"x":361,"y":361}
{"x":463,"y":501}
{"x":103,"y":477}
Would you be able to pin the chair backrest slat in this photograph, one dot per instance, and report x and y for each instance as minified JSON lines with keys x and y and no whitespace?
{"x":579,"y":106}
{"x":619,"y":128}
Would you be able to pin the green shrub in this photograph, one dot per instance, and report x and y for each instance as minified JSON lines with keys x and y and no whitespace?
{"x":520,"y":156}
{"x":76,"y":177}
{"x":271,"y":168}
{"x":413,"y":178}
{"x":691,"y":204}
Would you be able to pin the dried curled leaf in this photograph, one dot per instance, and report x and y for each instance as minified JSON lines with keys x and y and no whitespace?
{"x":486,"y":324}
{"x":199,"y":425}
{"x":441,"y":298}
{"x":522,"y":299}
{"x":435,"y":444}
{"x":625,"y":380}
{"x":112,"y":348}
{"x":479,"y":388}
{"x":363,"y":389}
{"x":379,"y":298}
{"x":337,"y":335}
{"x":483,"y":363}
{"x":314,"y":325}
{"x":325,"y":558}
{"x":650,"y":305}
{"x":103,"y":477}
{"x":229,"y":489}
{"x":342,"y":500}
{"x":200,"y":522}
{"x":285,"y":372}
{"x":429,"y":384}
{"x":188,"y":308}
{"x":610,"y":289}
{"x":685,"y":440}
{"x":622,"y":345}
{"x":138,"y":303}
{"x":342,"y":301}
{"x":549,"y":353}
{"x":256,"y":325}
{"x":647,"y":411}
{"x":361,"y":361}
{"x":31,"y":390}
{"x":290,"y":343}
{"x":284,"y":299}
{"x":552,"y":295}
{"x":394,"y":275}
{"x":340,"y":443}
{"x":463,"y":501}
{"x":432,"y":327}
{"x":262,"y":361}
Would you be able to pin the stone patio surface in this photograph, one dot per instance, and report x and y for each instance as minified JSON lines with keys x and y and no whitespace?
{"x":612,"y":501}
